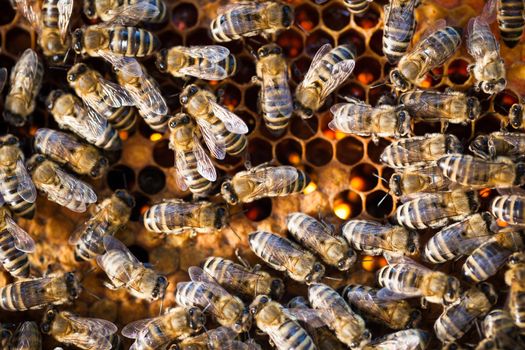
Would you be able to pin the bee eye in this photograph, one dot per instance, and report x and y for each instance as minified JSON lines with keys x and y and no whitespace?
{"x":308,"y":112}
{"x":191,"y":312}
{"x":72,"y":77}
{"x":184,"y":99}
{"x":185,"y":120}
{"x":193,"y":90}
{"x":12,"y":141}
{"x":264,"y":300}
{"x":173,"y":124}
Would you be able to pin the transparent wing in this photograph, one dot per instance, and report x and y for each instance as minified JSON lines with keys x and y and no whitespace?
{"x":95,"y":325}
{"x":204,"y":165}
{"x":114,"y":95}
{"x":30,"y":10}
{"x":402,"y":12}
{"x":3,"y":78}
{"x":340,"y":72}
{"x":479,"y":44}
{"x":73,"y":188}
{"x":316,"y":61}
{"x":274,"y":178}
{"x":111,"y":243}
{"x":213,"y":53}
{"x":386,"y":294}
{"x":432,"y":27}
{"x":355,"y":109}
{"x":403,"y":259}
{"x":148,"y":98}
{"x":208,"y":73}
{"x":234,"y":273}
{"x":97,"y":332}
{"x":131,"y":14}
{"x":65,"y":9}
{"x":94,"y":123}
{"x":25,"y":188}
{"x":78,"y":231}
{"x":313,"y":318}
{"x":199,"y":275}
{"x":132,"y":330}
{"x":231,"y":121}
{"x":181,"y":168}
{"x":26,"y":70}
{"x":216,"y":145}
{"x":128,"y":65}
{"x":23,"y":240}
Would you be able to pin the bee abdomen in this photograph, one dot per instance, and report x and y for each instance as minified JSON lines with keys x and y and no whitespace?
{"x":295,"y":336}
{"x":480,"y":265}
{"x":50,"y":14}
{"x":110,"y":140}
{"x":90,"y":244}
{"x":453,"y":323}
{"x":357,"y":6}
{"x":517,"y":307}
{"x":298,"y":185}
{"x":15,"y":261}
{"x":511,"y":21}
{"x":277,"y":107}
{"x":155,"y":121}
{"x":235,"y":143}
{"x":509,"y":209}
{"x":445,"y":41}
{"x":12,"y":297}
{"x":195,"y":181}
{"x":122,"y":118}
{"x":236,"y":23}
{"x":157,"y":219}
{"x":133,"y":42}
{"x":397,"y":36}
{"x":9,"y":191}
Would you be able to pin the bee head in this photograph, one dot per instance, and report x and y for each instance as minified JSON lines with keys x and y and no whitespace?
{"x":399,"y":81}
{"x":277,"y":288}
{"x":493,"y":86}
{"x":90,"y":9}
{"x":221,"y":217}
{"x":125,"y":197}
{"x":228,"y":193}
{"x":161,"y":60}
{"x":288,"y":16}
{"x":347,"y":261}
{"x":490,"y":293}
{"x":72,"y":285}
{"x":473,"y":200}
{"x":403,"y":118}
{"x":315,"y":274}
{"x":395,"y":184}
{"x":160,"y":288}
{"x":99,"y":168}
{"x":49,"y":317}
{"x":270,"y":49}
{"x":9,"y":140}
{"x":516,"y":259}
{"x":244,"y":323}
{"x":14,"y":118}
{"x":77,"y":39}
{"x":358,"y":343}
{"x":34,"y":161}
{"x":452,"y":290}
{"x":480,"y":146}
{"x":473,"y":108}
{"x":52,"y":97}
{"x":516,"y":115}
{"x":179,"y":120}
{"x":413,"y":243}
{"x":76,"y":71}
{"x":187,"y":93}
{"x":258,"y":303}
{"x":196,"y":319}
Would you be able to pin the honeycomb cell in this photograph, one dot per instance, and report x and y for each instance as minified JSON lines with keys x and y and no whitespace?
{"x":303,"y":128}
{"x":163,"y":155}
{"x":245,"y":70}
{"x":319,"y":152}
{"x":367,"y":70}
{"x":347,"y":205}
{"x":146,"y":131}
{"x":200,"y":36}
{"x":171,"y":95}
{"x":353,"y":37}
{"x":120,"y":177}
{"x":380,"y":95}
{"x":259,"y":151}
{"x":8,"y":13}
{"x":379,"y":204}
{"x":353,"y":89}
{"x":363,"y":177}
{"x":369,"y":19}
{"x":489,"y":123}
{"x":433,"y":78}
{"x":503,"y":101}
{"x":374,"y":150}
{"x":170,"y":39}
{"x":19,"y":40}
{"x":248,"y":119}
{"x":258,"y":210}
{"x":289,"y":152}
{"x":422,"y":128}
{"x":6,"y":62}
{"x":457,"y":71}
{"x":349,"y":150}
{"x":230,"y":96}
{"x":151,"y":180}
{"x":299,"y":69}
{"x":140,"y":253}
{"x":142,"y":204}
{"x":291,"y":42}
{"x":306,"y":17}
{"x":184,"y":16}
{"x":317,"y":39}
{"x":336,"y":16}
{"x":251,"y":98}
{"x":376,"y":42}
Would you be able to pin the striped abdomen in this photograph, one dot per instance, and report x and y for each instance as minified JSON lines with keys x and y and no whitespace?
{"x":325,"y":69}
{"x":153,"y":337}
{"x":293,"y":335}
{"x":196,"y":182}
{"x":117,"y":266}
{"x":365,"y":236}
{"x":295,"y":187}
{"x":357,"y":6}
{"x":239,"y":21}
{"x":436,"y":49}
{"x":517,"y":305}
{"x":276,"y":102}
{"x":398,"y":34}
{"x":510,"y":209}
{"x":208,"y":68}
{"x":266,"y":246}
{"x":499,"y":322}
{"x":132,"y":41}
{"x":122,"y":118}
{"x":510,"y":21}
{"x":14,"y":261}
{"x":108,"y":140}
{"x":483,"y":41}
{"x":90,"y":245}
{"x":50,"y":14}
{"x":234,"y":143}
{"x":29,"y":295}
{"x":155,"y":121}
{"x":8,"y":190}
{"x":401,"y":278}
{"x":424,"y":212}
{"x":163,"y":217}
{"x":193,"y":293}
{"x":455,"y":321}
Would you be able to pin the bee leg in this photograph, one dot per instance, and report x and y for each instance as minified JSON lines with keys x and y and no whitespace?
{"x":256,"y":268}
{"x":444,"y":126}
{"x":109,"y":285}
{"x":243,"y":261}
{"x":256,"y":80}
{"x":375,"y":139}
{"x":424,"y":303}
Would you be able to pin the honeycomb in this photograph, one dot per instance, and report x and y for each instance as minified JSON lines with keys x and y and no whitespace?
{"x":345,"y":169}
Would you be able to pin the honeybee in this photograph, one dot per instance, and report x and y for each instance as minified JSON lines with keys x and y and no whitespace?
{"x":71,"y":114}
{"x":419,"y":151}
{"x":108,"y":99}
{"x":154,"y":333}
{"x":173,"y":216}
{"x":509,"y":208}
{"x":60,"y":187}
{"x":399,"y":27}
{"x":429,"y":53}
{"x":408,"y":339}
{"x":320,"y":239}
{"x":207,"y":62}
{"x":273,"y":319}
{"x":125,"y":270}
{"x":373,"y":238}
{"x":404,"y":278}
{"x":38,"y":293}
{"x":434,"y":210}
{"x":356,"y":6}
{"x":488,"y":67}
{"x":51,"y":22}
{"x":117,"y":44}
{"x":499,"y":143}
{"x":409,"y":183}
{"x":15,"y":243}
{"x":67,"y":150}
{"x":457,"y":318}
{"x":510,"y":21}
{"x":396,"y":314}
{"x":516,"y":115}
{"x":241,"y":280}
{"x":5,"y":336}
{"x":263,"y":181}
{"x":515,"y":279}
{"x":447,"y":107}
{"x":25,"y":83}
{"x":284,"y":255}
{"x":126,"y":12}
{"x":222,"y":131}
{"x":328,"y":70}
{"x":461,"y":238}
{"x":251,"y":18}
{"x":487,"y":259}
{"x":204,"y":292}
{"x":109,"y":217}
{"x":26,"y":337}
{"x":145,"y":93}
{"x":219,"y":338}
{"x":348,"y":326}
{"x":364,"y":120}
{"x":275,"y":96}
{"x":82,"y":332}
{"x":500,"y":332}
{"x":16,"y":187}
{"x":193,"y":167}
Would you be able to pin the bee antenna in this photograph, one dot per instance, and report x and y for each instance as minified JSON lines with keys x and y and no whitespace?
{"x":333,"y":278}
{"x":382,"y":199}
{"x":174,"y":95}
{"x":252,"y":51}
{"x":87,"y":273}
{"x":380,"y":177}
{"x":307,"y":33}
{"x":206,"y":308}
{"x":243,"y":261}
{"x":92,"y":294}
{"x":347,"y":99}
{"x":308,"y":126}
{"x":161,"y":306}
{"x":380,"y":83}
{"x":234,"y":232}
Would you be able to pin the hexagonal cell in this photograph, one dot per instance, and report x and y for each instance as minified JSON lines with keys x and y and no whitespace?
{"x":299,"y":69}
{"x":376,"y":42}
{"x":381,"y":94}
{"x":200,"y":36}
{"x":319,"y":152}
{"x":374,"y":150}
{"x":8,"y":13}
{"x":142,"y":203}
{"x":235,"y":47}
{"x":489,"y":123}
{"x":317,"y":39}
{"x":260,"y":151}
{"x":251,"y":98}
{"x":291,"y":42}
{"x":258,"y":210}
{"x":369,"y":19}
{"x":230,"y":95}
{"x":355,"y":38}
{"x":245,"y":70}
{"x":303,"y":128}
{"x":139,"y":252}
{"x":347,"y":205}
{"x":363,"y":177}
{"x":352,"y":89}
{"x":504,"y":100}
{"x":306,"y":17}
{"x":146,"y":131}
{"x":151,"y":180}
{"x":367,"y":70}
{"x":379,"y":204}
{"x":433,"y":78}
{"x":184,"y":16}
{"x":349,"y":150}
{"x":457,"y":71}
{"x":248,"y":119}
{"x":336,"y":16}
{"x":19,"y":40}
{"x":170,"y":39}
{"x":120,"y":177}
{"x":171,"y":95}
{"x":289,"y":152}
{"x":163,"y":155}
{"x":7,"y":62}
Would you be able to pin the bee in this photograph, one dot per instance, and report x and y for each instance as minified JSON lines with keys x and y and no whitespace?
{"x":328,"y":70}
{"x":396,"y":314}
{"x":59,"y":186}
{"x":429,"y":53}
{"x":362,"y":119}
{"x":37,"y":293}
{"x":447,"y":107}
{"x":71,"y":114}
{"x":108,"y":218}
{"x":173,"y":216}
{"x":488,"y":67}
{"x":145,"y":93}
{"x":356,"y":6}
{"x":204,"y":292}
{"x":218,"y":338}
{"x":125,"y":270}
{"x":15,"y":243}
{"x":51,"y":22}
{"x":154,"y":333}
{"x":373,"y":238}
{"x":82,"y":332}
{"x":263,"y":181}
{"x":251,"y":18}
{"x":240,"y":280}
{"x":16,"y":187}
{"x":515,"y":279}
{"x":516,"y":115}
{"x":26,"y":81}
{"x":408,"y":339}
{"x":26,"y":337}
{"x":500,"y":332}
{"x":222,"y":131}
{"x":348,"y":326}
{"x":399,"y":27}
{"x":67,"y":150}
{"x":275,"y":96}
{"x":458,"y":317}
{"x":284,"y":331}
{"x":193,"y":167}
{"x":434,"y":210}
{"x":409,"y":183}
{"x":117,"y":44}
{"x":461,"y":238}
{"x":284,"y":255}
{"x":476,"y":173}
{"x":509,"y":208}
{"x":419,"y":151}
{"x":404,"y":278}
{"x":126,"y":12}
{"x":5,"y":336}
{"x":108,"y":99}
{"x":488,"y":258}
{"x":207,"y":62}
{"x":510,"y":21}
{"x":320,"y":239}
{"x":498,"y":144}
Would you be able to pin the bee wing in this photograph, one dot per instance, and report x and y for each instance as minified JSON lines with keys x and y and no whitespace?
{"x":25,"y":188}
{"x":23,"y":240}
{"x":397,"y":340}
{"x":133,"y":329}
{"x":199,"y":275}
{"x":93,"y":124}
{"x":231,"y":121}
{"x":340,"y":72}
{"x":128,"y":65}
{"x":478,"y":48}
{"x":73,"y":189}
{"x":358,"y":108}
{"x":114,"y":95}
{"x":404,"y":16}
{"x":180,"y":167}
{"x":314,"y":318}
{"x":27,"y":69}
{"x":433,"y":27}
{"x":213,"y":53}
{"x":316,"y":61}
{"x":386,"y":294}
{"x":148,"y":98}
{"x":65,"y":9}
{"x":96,"y":332}
{"x":372,"y":302}
{"x":455,"y":234}
{"x":216,"y":145}
{"x":276,"y":178}
{"x":222,"y":335}
{"x":204,"y":164}
{"x":95,"y":325}
{"x":131,"y":14}
{"x":21,"y":336}
{"x":111,"y":243}
{"x":29,"y":9}
{"x":207,"y":73}
{"x":78,"y":231}
{"x":403,"y":259}
{"x":279,"y":84}
{"x":3,"y":78}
